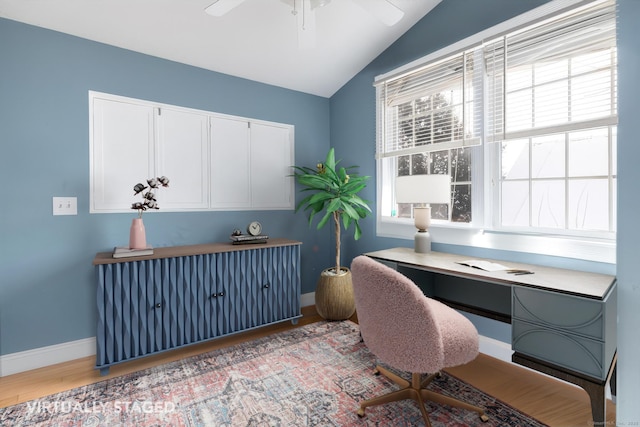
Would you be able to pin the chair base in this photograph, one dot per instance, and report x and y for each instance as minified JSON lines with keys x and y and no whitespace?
{"x":416,"y":390}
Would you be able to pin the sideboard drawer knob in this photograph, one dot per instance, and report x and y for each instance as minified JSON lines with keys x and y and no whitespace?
{"x":158,"y":305}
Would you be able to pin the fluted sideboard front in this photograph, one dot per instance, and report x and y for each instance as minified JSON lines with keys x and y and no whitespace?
{"x":188,"y":294}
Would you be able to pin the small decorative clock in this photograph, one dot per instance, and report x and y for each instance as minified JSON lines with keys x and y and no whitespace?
{"x":254,"y":228}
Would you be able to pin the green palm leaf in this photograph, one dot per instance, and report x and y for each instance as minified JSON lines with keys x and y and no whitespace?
{"x":333,"y":193}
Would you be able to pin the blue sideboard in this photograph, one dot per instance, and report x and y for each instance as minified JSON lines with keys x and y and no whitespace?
{"x":189,"y":294}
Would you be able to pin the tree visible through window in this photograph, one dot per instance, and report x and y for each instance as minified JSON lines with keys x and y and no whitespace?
{"x":426,"y":122}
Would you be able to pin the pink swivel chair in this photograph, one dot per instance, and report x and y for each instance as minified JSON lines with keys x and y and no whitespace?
{"x":410,"y":332}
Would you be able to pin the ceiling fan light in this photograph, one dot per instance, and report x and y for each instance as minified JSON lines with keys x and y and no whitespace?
{"x":222,"y":7}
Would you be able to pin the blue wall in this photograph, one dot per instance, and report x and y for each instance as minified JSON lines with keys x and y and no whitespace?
{"x":46,"y":279}
{"x":47,"y":293}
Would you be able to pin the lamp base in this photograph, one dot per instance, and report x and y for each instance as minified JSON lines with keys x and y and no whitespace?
{"x":422,"y":242}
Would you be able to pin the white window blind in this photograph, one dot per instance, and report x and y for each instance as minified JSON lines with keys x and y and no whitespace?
{"x":556,"y":76}
{"x":432,"y":108}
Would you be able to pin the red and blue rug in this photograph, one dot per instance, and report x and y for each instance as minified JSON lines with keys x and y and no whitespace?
{"x":314,"y":375}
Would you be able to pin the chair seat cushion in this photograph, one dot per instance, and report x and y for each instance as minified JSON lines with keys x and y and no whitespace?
{"x":459,"y":336}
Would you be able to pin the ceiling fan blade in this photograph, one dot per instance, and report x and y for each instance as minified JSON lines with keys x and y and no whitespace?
{"x":221,"y":7}
{"x":384,"y":11}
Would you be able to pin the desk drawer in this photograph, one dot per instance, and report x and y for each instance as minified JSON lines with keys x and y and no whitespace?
{"x":572,"y":314}
{"x":580,"y":354}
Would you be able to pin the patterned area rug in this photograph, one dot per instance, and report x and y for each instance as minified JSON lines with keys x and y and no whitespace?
{"x":310,"y":376}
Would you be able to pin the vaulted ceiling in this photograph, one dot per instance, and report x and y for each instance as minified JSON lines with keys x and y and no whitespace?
{"x":257,"y":39}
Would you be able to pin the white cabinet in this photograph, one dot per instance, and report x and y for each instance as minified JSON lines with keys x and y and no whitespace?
{"x":271,"y":161}
{"x":214,"y":161}
{"x":251,"y":164}
{"x":182,"y":155}
{"x":122,"y":138}
{"x":230,"y":163}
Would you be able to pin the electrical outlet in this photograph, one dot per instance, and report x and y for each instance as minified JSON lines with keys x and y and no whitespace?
{"x":65,"y":206}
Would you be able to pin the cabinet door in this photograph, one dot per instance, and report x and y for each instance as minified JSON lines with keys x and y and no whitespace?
{"x":130,"y":306}
{"x":280,"y":283}
{"x":230,"y":163}
{"x":218,"y":315}
{"x":272,"y":156}
{"x":122,"y":139}
{"x":183,"y":158}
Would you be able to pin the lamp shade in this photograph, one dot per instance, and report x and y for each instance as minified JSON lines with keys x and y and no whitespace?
{"x":423,"y":189}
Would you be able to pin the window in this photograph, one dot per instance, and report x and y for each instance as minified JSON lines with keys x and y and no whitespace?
{"x":428,"y":120}
{"x":522,"y":117}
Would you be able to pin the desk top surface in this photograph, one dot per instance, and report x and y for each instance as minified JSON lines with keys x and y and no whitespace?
{"x":572,"y":282}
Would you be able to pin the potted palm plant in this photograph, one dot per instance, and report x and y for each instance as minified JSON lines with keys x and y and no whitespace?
{"x":333,"y":193}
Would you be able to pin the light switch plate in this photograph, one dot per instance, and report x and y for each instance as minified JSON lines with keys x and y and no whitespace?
{"x":65,"y":206}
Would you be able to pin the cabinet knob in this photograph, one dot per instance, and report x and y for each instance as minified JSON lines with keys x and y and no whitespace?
{"x":158,"y":305}
{"x":221,"y":294}
{"x":266,"y":285}
{"x":213,"y":295}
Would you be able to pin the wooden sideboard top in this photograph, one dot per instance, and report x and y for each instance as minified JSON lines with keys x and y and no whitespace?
{"x":179,"y":251}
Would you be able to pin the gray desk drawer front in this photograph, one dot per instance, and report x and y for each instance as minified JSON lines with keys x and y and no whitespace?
{"x":573,"y":314}
{"x":580,"y":354}
{"x":573,"y":332}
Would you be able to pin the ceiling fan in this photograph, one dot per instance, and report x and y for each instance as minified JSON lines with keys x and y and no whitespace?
{"x":304,"y":11}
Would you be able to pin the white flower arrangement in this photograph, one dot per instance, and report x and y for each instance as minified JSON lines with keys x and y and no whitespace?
{"x":149,"y":197}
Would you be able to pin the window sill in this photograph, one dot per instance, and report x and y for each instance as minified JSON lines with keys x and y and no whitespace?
{"x":568,"y":247}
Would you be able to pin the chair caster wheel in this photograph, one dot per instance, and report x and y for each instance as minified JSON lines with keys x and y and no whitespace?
{"x":484,"y":418}
{"x":361,"y":413}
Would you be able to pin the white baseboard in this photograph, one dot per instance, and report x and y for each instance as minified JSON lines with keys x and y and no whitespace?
{"x":44,"y":356}
{"x":495,"y":348}
{"x":40,"y":357}
{"x":308,"y":299}
{"x":489,"y":346}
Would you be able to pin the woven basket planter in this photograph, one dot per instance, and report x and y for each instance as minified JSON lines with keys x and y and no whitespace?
{"x":334,"y":295}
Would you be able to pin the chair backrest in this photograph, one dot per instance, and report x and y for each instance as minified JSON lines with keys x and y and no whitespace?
{"x":395,"y":318}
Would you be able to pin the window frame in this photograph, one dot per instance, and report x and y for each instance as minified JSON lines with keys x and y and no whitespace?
{"x":482,"y":231}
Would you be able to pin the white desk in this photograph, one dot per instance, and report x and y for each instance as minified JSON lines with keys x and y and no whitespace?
{"x":563,"y":321}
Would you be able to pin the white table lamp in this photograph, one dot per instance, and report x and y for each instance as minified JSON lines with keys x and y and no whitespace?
{"x":423,"y":189}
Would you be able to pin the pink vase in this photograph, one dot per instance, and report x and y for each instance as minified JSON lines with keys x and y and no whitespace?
{"x":137,"y":236}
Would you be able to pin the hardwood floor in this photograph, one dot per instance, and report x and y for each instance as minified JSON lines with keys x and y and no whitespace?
{"x":553,"y":402}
